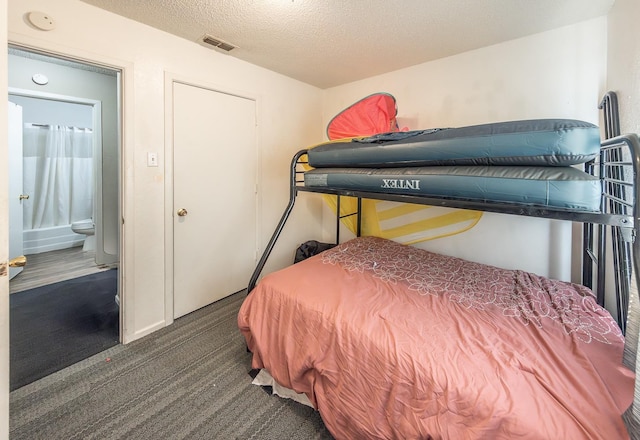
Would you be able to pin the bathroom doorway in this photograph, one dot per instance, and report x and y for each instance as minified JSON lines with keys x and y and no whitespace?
{"x":58,"y":176}
{"x":70,"y":201}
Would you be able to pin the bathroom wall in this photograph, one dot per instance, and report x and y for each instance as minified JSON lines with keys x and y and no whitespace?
{"x":44,"y":111}
{"x":90,"y":83}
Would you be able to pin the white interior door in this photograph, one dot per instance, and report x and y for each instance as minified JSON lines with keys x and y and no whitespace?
{"x":214,"y":182}
{"x":15,"y":186}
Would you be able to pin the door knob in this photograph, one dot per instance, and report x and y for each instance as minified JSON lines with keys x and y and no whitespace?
{"x":20,"y":261}
{"x":24,"y":196}
{"x":182,"y":212}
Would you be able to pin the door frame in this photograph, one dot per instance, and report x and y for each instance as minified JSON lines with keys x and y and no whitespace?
{"x":96,"y":121}
{"x":15,"y":156}
{"x":169,"y":79}
{"x":125,"y":75}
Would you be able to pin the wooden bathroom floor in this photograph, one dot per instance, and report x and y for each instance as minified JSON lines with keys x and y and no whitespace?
{"x":51,"y":267}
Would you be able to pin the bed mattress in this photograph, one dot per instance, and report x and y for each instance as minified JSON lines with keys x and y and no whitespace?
{"x":390,"y":341}
{"x":547,"y":142}
{"x":558,"y":187}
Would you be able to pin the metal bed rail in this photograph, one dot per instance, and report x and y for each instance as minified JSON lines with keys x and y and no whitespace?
{"x":616,"y":171}
{"x":622,"y":213}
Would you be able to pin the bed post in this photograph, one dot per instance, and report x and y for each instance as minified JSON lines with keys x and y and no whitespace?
{"x":292,"y":199}
{"x":359,"y":230}
{"x":609,"y":107}
{"x":588,"y":256}
{"x":624,"y":236}
{"x":621,"y":242}
{"x":338,"y":218}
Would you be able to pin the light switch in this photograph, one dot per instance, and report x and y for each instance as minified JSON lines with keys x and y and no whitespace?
{"x":152,"y":159}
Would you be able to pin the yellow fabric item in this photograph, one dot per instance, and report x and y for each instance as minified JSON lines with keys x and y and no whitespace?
{"x":402,"y":222}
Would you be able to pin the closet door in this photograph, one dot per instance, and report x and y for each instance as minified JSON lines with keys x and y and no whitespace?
{"x":214,"y":191}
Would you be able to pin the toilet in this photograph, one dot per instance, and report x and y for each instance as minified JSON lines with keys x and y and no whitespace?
{"x":87,"y":228}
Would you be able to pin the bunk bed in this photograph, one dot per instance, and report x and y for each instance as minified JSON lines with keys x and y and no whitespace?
{"x":391,"y":341}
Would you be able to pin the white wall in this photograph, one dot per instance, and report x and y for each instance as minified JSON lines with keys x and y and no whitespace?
{"x":555,"y":74}
{"x":623,"y":69}
{"x":288,"y":120}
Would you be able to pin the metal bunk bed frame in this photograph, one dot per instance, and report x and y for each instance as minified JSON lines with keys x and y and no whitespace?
{"x":618,"y":168}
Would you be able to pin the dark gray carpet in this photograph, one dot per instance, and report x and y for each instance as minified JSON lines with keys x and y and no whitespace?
{"x":57,"y":325}
{"x":187,"y":381}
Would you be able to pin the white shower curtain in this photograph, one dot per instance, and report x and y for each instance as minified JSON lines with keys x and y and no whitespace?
{"x":58,"y":175}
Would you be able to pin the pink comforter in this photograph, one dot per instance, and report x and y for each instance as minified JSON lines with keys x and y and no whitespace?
{"x":389,"y":341}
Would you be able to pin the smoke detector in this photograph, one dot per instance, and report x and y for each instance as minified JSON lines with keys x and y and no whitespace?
{"x":41,"y":20}
{"x":218,"y":43}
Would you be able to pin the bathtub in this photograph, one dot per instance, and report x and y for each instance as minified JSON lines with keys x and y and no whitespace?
{"x":36,"y":241}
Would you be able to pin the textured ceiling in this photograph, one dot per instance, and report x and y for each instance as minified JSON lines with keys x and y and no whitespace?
{"x":331,"y":42}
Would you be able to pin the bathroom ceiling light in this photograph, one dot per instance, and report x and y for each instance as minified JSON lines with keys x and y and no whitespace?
{"x":40,"y":79}
{"x":40,"y":20}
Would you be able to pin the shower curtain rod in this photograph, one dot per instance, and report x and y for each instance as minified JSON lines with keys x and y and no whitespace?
{"x":49,"y":125}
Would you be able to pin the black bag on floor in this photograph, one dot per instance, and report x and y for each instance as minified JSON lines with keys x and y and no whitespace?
{"x":309,"y":249}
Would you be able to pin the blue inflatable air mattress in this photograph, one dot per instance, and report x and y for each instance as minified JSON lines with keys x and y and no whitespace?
{"x":559,"y":187}
{"x":539,"y":142}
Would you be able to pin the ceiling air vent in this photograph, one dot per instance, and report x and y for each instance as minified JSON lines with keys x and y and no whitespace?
{"x":217,"y":42}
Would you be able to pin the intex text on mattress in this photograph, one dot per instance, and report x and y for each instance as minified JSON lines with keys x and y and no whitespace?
{"x":561,"y":187}
{"x":546,"y":142}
